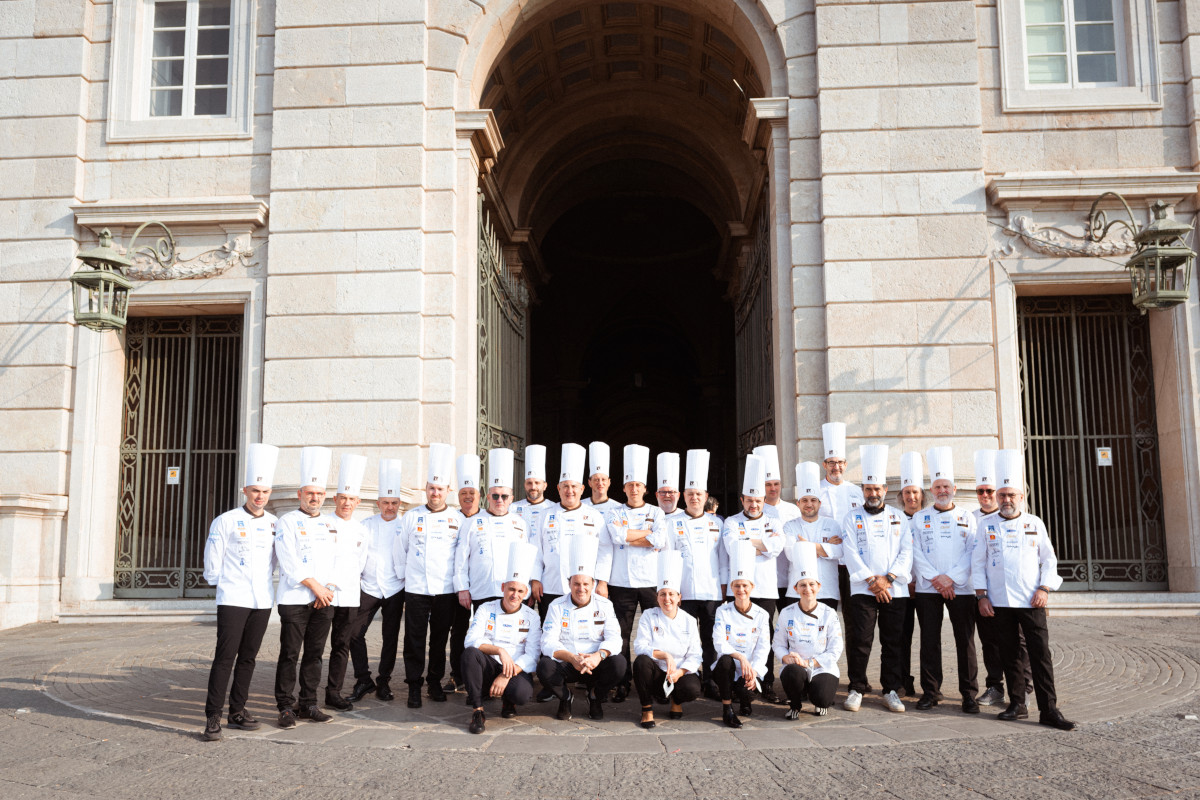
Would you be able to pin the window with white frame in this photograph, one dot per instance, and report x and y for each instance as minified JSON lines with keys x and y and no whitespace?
{"x":181,"y":69}
{"x":1078,"y":54}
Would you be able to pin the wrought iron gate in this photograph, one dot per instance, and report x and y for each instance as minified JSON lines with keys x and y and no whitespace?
{"x":754,"y":340}
{"x":503,"y":353}
{"x":1091,"y":441}
{"x":178,"y":450}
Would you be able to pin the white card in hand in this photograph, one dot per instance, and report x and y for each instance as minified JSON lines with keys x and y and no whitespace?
{"x":668,"y":687}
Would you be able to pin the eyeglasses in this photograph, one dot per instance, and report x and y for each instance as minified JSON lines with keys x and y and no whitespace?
{"x":501,"y":496}
{"x":985,"y":491}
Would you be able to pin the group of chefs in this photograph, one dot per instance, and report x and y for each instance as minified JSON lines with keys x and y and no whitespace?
{"x":551,"y":589}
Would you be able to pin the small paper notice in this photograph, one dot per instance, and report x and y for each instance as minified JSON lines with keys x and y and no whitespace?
{"x":1103,"y":456}
{"x":172,"y":475}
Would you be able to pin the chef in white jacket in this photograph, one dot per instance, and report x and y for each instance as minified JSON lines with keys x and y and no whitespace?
{"x":352,"y":542}
{"x":306,"y":546}
{"x":667,"y":652}
{"x":877,"y":550}
{"x":239,"y":559}
{"x":822,"y":531}
{"x":429,"y":537}
{"x":503,"y":644}
{"x":765,"y":532}
{"x":599,"y":480}
{"x":838,"y":495}
{"x":534,"y":503}
{"x":774,"y":505}
{"x":467,"y":471}
{"x":741,"y":636}
{"x":637,"y":531}
{"x":581,"y":638}
{"x":943,"y":546}
{"x":1014,"y":569}
{"x":808,"y":638}
{"x":666,"y":483}
{"x":482,"y":557}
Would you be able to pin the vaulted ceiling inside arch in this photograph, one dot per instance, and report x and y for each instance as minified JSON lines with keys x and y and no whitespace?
{"x":604,"y":99}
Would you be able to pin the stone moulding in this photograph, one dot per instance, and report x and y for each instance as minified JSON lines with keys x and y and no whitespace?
{"x":1052,"y":241}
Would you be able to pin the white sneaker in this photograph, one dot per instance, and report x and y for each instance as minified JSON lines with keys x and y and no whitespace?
{"x":991,"y":697}
{"x":853,"y":701}
{"x":892,"y":701}
{"x":820,"y":711}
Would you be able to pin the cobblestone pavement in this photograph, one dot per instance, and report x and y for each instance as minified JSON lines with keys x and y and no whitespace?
{"x":115,"y":711}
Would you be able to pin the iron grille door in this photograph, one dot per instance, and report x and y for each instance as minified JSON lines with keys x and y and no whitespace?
{"x":182,"y":386}
{"x":503,"y":354}
{"x":1087,"y":383}
{"x":753,"y":335}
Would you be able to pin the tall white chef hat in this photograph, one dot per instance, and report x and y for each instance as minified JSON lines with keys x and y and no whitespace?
{"x":535,"y":462}
{"x":260,"y":465}
{"x":754,"y":478}
{"x":670,"y":570}
{"x":741,"y":561}
{"x":874,"y":459}
{"x":697,"y":470}
{"x":637,"y":463}
{"x":389,"y":477}
{"x":667,"y":470}
{"x":802,"y":562}
{"x":570,"y":468}
{"x":941,"y":464}
{"x":350,"y":475}
{"x":912,"y":471}
{"x":769,"y":454}
{"x":441,"y":463}
{"x":584,"y":550}
{"x":314,"y":465}
{"x":834,"y":436}
{"x":1010,"y":470}
{"x":500,"y":467}
{"x":985,"y":468}
{"x":467,"y":467}
{"x":598,"y":458}
{"x":808,"y":479}
{"x":520,"y":561}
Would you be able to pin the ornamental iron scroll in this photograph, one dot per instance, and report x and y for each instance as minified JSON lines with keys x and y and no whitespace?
{"x":161,"y":261}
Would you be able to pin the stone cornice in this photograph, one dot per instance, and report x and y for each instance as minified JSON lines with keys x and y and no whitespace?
{"x":220,"y":212}
{"x":763,"y":110}
{"x":483,"y":131}
{"x":1077,"y":190}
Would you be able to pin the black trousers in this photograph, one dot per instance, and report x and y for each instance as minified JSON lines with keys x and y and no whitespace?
{"x":340,"y":633}
{"x":239,"y":635}
{"x":458,"y":635}
{"x":648,"y":680}
{"x":307,"y":628}
{"x":910,"y":628}
{"x":819,"y":690}
{"x":424,"y":615}
{"x":393,"y":614}
{"x":475,"y":604}
{"x":993,"y":661}
{"x":929,"y":607}
{"x":480,"y":670}
{"x":829,"y":601}
{"x":1011,"y":623}
{"x":863,"y":614}
{"x":544,"y":604}
{"x":705,"y":612}
{"x":768,"y":604}
{"x":626,"y":602}
{"x":555,"y":675}
{"x":724,"y":675}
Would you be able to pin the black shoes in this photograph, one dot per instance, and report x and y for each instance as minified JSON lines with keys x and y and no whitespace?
{"x":1013,"y":712}
{"x":768,"y":694}
{"x":647,"y":723}
{"x":243,"y":721}
{"x":1055,"y":719}
{"x":337,"y":702}
{"x":313,"y":713}
{"x":620,"y":694}
{"x":436,"y":693}
{"x":545,"y":695}
{"x":564,"y":705}
{"x":793,"y":713}
{"x":414,"y":697}
{"x":730,"y":718}
{"x":969,"y":705}
{"x":926,"y":702}
{"x":673,"y":714}
{"x":383,"y":691}
{"x":478,"y":722}
{"x":287,"y":718}
{"x":910,"y":688}
{"x":745,"y":703}
{"x":595,"y":708}
{"x":452,"y":685}
{"x":212,"y":729}
{"x":364,"y":688}
{"x":507,"y":710}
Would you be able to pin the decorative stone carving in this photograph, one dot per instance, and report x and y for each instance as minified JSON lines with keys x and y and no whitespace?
{"x":1054,"y":241}
{"x":161,"y":262}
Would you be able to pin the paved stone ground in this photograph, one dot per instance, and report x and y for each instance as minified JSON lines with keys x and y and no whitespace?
{"x":115,"y":710}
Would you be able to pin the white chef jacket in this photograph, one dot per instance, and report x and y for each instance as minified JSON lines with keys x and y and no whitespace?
{"x":764,"y":527}
{"x":817,"y":635}
{"x":943,"y":544}
{"x":305,"y":548}
{"x":748,"y":634}
{"x":557,"y":531}
{"x":680,"y":637}
{"x":532,"y":514}
{"x":876,"y":544}
{"x":379,"y":578}
{"x":636,"y":567}
{"x":705,"y":563}
{"x":351,"y":541}
{"x":1012,"y":558}
{"x":838,"y":500}
{"x":425,"y":555}
{"x":519,"y":634}
{"x":481,"y":564}
{"x":580,"y":629}
{"x":785,"y":512}
{"x":239,"y":558}
{"x":818,"y":532}
{"x":605,"y":507}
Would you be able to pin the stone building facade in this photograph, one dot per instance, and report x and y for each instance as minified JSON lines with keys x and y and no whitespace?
{"x":767,"y":214}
